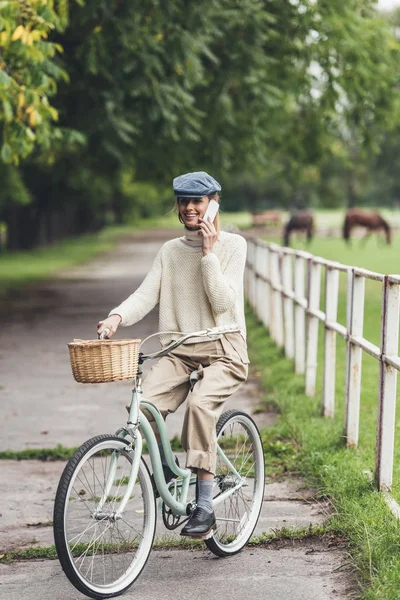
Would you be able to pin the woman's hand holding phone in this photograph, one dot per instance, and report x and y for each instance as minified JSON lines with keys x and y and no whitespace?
{"x":207,"y":228}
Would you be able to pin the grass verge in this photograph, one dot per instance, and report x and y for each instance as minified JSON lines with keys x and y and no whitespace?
{"x":63,"y":453}
{"x":58,"y":453}
{"x":314,"y":448}
{"x":278,"y":535}
{"x":19,"y":268}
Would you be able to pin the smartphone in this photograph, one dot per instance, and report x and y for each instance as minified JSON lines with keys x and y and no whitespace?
{"x":212,"y":210}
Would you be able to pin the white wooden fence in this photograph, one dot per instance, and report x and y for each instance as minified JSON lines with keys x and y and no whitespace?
{"x":283,"y":286}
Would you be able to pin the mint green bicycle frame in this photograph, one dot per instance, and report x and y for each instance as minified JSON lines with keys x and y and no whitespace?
{"x":138,"y":419}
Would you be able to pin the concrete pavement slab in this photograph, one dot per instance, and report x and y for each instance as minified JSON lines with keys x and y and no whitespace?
{"x":306,"y":572}
{"x":28,"y":489}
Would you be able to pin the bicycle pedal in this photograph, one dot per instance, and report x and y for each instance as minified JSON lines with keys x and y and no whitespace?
{"x":205,"y":536}
{"x":209,"y":535}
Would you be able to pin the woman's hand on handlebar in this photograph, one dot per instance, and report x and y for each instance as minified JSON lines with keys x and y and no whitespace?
{"x":111,"y":323}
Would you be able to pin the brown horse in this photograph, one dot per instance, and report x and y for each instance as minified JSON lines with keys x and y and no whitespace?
{"x":302,"y":220}
{"x":371,"y":221}
{"x":266,"y":217}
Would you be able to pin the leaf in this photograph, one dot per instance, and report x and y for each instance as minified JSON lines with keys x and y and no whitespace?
{"x":8,"y":111}
{"x":18,"y":33}
{"x":54,"y":113}
{"x":5,"y":79}
{"x":30,"y":134}
{"x":34,"y":118}
{"x":6,"y":153}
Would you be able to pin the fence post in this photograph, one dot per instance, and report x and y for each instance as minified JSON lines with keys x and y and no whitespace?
{"x":287,"y":283}
{"x":312,"y":326}
{"x":258,"y":282}
{"x":250,"y":284}
{"x":247,"y":270}
{"x":387,"y":385}
{"x":349,"y":300}
{"x":265,"y":287}
{"x":277,"y":300}
{"x":299,"y":315}
{"x":353,"y":375}
{"x":331,"y":306}
{"x":272,"y":323}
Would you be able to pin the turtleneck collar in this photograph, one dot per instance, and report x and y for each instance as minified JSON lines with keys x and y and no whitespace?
{"x":192,"y":238}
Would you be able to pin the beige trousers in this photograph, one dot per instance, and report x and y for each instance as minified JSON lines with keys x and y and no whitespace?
{"x":223,"y":367}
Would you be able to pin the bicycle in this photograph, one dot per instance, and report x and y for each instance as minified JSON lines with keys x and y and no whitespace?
{"x":105,"y":506}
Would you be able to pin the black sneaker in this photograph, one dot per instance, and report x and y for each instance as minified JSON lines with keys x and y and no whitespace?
{"x":200,"y":525}
{"x":168,"y":474}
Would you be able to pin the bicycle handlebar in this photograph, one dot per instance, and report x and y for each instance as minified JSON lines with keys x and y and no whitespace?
{"x":210,"y":332}
{"x":103,"y":334}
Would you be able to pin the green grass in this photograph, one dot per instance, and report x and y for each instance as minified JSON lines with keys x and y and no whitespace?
{"x":372,"y":254}
{"x":62,"y":453}
{"x":21,"y":268}
{"x":313,"y":447}
{"x":46,"y":454}
{"x":171,"y":542}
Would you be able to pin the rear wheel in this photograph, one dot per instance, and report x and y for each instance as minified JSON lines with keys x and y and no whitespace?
{"x":103,"y":553}
{"x":236,"y":516}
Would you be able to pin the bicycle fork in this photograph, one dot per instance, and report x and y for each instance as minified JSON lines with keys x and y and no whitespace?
{"x":136,"y":451}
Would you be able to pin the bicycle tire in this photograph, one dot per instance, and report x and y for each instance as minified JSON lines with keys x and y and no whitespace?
{"x":77,"y":502}
{"x":237,"y":516}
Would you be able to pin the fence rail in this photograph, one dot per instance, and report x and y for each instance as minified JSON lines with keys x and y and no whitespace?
{"x":283,"y":286}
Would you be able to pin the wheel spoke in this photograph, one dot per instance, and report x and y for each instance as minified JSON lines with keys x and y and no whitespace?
{"x":98,"y":547}
{"x":237,"y":515}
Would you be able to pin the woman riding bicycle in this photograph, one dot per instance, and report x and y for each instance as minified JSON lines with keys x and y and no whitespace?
{"x":197,"y":281}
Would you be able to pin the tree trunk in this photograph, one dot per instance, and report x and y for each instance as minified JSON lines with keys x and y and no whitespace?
{"x":20,"y":221}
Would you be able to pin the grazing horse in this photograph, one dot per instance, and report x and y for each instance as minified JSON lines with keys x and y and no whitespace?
{"x":266,"y":217}
{"x":371,"y":221}
{"x":302,"y":220}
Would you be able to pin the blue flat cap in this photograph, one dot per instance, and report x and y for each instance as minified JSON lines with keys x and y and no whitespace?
{"x":195,"y":185}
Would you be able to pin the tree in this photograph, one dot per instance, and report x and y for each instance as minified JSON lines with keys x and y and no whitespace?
{"x":268,"y":94}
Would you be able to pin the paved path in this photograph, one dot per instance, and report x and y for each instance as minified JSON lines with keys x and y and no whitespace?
{"x":43,"y":406}
{"x":295,"y":572}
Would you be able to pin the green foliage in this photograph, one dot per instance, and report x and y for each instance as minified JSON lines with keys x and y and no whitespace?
{"x":28,"y":76}
{"x":285,"y":101}
{"x":12,"y":190}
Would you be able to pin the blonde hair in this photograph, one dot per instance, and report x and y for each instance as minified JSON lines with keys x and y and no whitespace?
{"x":215,"y":197}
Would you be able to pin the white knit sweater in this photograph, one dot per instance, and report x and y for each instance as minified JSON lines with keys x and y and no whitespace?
{"x":193,"y":291}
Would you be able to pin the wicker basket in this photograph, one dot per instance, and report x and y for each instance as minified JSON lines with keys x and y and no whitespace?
{"x":100,"y":361}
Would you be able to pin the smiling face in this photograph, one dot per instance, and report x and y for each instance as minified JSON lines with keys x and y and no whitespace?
{"x":191,"y":210}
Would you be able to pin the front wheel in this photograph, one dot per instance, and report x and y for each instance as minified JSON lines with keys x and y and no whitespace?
{"x":237,"y":515}
{"x":102,"y":552}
